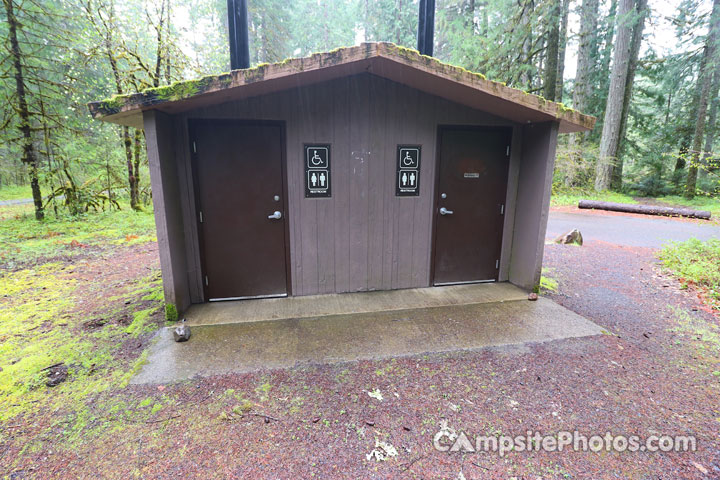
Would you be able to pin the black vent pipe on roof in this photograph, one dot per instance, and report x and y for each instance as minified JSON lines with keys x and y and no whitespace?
{"x":238,"y":33}
{"x":426,"y":27}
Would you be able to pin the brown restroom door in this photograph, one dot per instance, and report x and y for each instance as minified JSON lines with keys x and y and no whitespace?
{"x":240,"y":194}
{"x":471,"y":192}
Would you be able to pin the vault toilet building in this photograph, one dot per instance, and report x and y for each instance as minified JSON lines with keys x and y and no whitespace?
{"x":365,"y":168}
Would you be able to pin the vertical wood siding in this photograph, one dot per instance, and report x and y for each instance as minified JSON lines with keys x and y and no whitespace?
{"x":363,"y":238}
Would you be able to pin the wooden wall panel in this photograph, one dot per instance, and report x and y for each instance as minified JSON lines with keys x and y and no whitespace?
{"x":340,"y":94}
{"x":169,"y":221}
{"x":359,"y":170}
{"x":364,"y":237}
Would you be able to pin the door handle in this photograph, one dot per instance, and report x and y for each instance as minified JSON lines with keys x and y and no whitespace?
{"x":275,"y":216}
{"x":445,"y":211}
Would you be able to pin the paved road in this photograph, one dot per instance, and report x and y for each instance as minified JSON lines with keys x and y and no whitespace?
{"x":16,"y":202}
{"x":627,"y":230}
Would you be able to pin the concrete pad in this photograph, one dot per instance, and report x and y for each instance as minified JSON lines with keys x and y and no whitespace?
{"x":217,"y":313}
{"x":249,"y":346}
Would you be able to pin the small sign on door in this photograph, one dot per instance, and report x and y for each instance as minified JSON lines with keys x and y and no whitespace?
{"x":408,"y":171}
{"x":317,"y":171}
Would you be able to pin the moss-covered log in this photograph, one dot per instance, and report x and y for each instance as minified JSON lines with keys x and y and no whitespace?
{"x":644,"y":209}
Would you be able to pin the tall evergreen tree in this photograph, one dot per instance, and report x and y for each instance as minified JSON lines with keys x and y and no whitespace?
{"x":707,"y":67}
{"x":610,"y":138}
{"x":641,"y":12}
{"x":22,"y":107}
{"x":584,"y":72}
{"x":552,"y":49}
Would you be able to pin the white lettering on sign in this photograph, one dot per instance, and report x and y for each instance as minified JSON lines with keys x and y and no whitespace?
{"x":471,"y":175}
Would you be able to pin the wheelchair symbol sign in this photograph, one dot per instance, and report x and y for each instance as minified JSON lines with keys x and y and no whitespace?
{"x":409,"y":158}
{"x":317,"y":157}
{"x":317,"y":171}
{"x":408,"y":171}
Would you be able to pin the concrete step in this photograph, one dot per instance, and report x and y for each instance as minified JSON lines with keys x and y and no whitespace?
{"x":219,"y":313}
{"x":270,"y":344}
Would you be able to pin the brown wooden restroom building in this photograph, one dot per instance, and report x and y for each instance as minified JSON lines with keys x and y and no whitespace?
{"x":365,"y":168}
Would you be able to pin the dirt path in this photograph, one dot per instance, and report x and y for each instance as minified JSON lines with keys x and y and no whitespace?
{"x":654,"y":375}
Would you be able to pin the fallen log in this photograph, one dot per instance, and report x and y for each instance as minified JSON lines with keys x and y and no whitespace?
{"x":644,"y":209}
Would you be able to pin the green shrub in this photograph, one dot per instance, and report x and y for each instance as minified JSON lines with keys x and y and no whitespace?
{"x":171,"y":312}
{"x":696,"y":262}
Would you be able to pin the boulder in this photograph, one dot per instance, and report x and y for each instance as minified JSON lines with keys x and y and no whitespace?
{"x":181,"y":332}
{"x":573,"y":237}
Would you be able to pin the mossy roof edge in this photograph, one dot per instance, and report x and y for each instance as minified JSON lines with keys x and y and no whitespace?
{"x":123,"y":105}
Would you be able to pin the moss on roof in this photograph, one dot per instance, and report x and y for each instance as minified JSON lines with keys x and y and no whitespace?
{"x":184,"y":90}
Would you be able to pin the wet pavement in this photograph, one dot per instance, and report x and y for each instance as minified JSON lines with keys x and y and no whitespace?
{"x":250,"y":346}
{"x":629,"y":230}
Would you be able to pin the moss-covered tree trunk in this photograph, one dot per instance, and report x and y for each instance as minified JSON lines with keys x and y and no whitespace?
{"x":129,"y":161}
{"x":587,"y":51}
{"x":552,"y":51}
{"x":704,"y":83}
{"x":609,"y":140}
{"x":23,"y":111}
{"x":641,"y":12}
{"x":137,"y":155}
{"x":559,"y":82}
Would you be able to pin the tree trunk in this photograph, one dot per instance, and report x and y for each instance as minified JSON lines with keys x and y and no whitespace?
{"x":159,"y":54}
{"x":581,"y":90}
{"x":125,"y":131}
{"x":600,"y":82}
{"x":525,"y":15}
{"x":707,"y":68}
{"x":132,"y":183}
{"x":712,"y":117}
{"x":136,"y":169}
{"x":484,"y":20}
{"x":613,"y":108}
{"x":561,"y":52}
{"x":641,"y":12}
{"x":682,"y":154}
{"x":553,"y":47}
{"x":168,"y":76}
{"x":29,"y":155}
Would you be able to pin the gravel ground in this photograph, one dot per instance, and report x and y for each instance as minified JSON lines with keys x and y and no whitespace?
{"x":654,"y":373}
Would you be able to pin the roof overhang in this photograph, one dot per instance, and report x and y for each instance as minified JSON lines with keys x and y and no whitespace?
{"x":386,"y":60}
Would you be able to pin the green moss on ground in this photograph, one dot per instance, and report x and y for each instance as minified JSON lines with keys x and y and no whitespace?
{"x":548,"y":284}
{"x":39,"y":328}
{"x":171,"y":312}
{"x":562,"y":196}
{"x":571,"y":196}
{"x":24,"y":240}
{"x":696,"y":263}
{"x":700,"y":202}
{"x":15,"y":192}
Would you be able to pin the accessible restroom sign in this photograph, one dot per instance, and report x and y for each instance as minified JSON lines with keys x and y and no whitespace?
{"x":317,"y":171}
{"x":408,"y":171}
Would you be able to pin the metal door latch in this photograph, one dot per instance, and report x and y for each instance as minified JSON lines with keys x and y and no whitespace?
{"x":275,"y":216}
{"x":445,"y":211}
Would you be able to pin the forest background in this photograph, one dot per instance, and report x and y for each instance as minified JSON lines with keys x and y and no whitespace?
{"x":647,"y":69}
